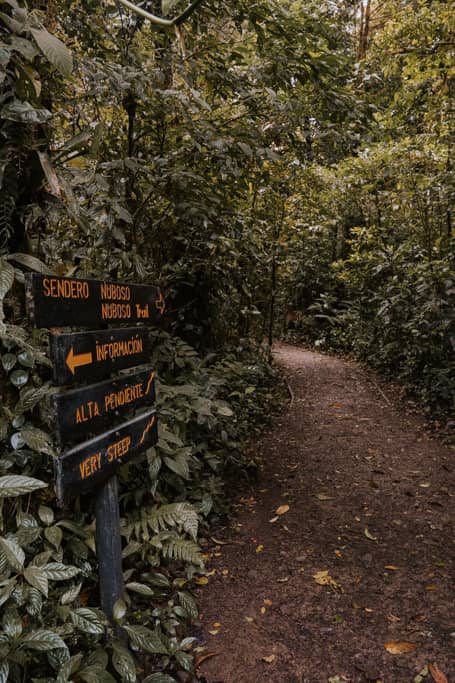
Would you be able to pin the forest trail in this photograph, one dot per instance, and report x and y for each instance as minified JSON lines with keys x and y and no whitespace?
{"x":371,"y":499}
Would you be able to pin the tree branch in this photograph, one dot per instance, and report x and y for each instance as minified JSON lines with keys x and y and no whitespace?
{"x":159,"y":21}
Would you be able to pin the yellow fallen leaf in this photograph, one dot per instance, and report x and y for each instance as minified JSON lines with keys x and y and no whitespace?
{"x":269,"y":659}
{"x":263,"y":610}
{"x":273,"y":520}
{"x":282,"y":510}
{"x":338,"y":553}
{"x":283,"y":580}
{"x":399,"y":647}
{"x":431,"y":587}
{"x":323,"y":578}
{"x":260,"y":548}
{"x":369,"y":535}
{"x":217,"y":624}
{"x":214,"y":632}
{"x":212,"y":573}
{"x":323,"y":496}
{"x":249,"y":619}
{"x":268,"y":602}
{"x":201,"y":580}
{"x":225,"y":572}
{"x":392,"y":567}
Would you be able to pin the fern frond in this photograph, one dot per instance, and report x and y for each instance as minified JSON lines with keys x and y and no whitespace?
{"x":175,"y":548}
{"x":180,"y":515}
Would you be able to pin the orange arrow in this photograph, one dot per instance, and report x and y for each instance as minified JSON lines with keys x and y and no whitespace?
{"x":74,"y":361}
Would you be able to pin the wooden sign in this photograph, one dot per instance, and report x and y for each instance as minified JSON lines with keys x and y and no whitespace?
{"x":92,"y":462}
{"x":94,"y":355}
{"x":83,"y":411}
{"x":54,"y":301}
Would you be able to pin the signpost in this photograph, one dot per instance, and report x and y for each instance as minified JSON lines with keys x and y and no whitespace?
{"x":81,"y":412}
{"x":56,"y":302}
{"x":94,"y":355}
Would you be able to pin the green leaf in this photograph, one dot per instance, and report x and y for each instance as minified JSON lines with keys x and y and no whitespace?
{"x":55,"y":51}
{"x":23,"y":112}
{"x":31,"y":262}
{"x":69,"y":668}
{"x":224,"y":409}
{"x":13,"y":553}
{"x":179,"y":465}
{"x":147,"y":640}
{"x":6,"y":277}
{"x":159,"y":678}
{"x":185,"y":660}
{"x":54,"y":535}
{"x":13,"y":485}
{"x":140,"y":588}
{"x":56,"y":571}
{"x":30,"y":397}
{"x":119,"y":610}
{"x":189,"y":604}
{"x":123,"y":663}
{"x":42,"y":640}
{"x":71,"y":594}
{"x":37,"y":440}
{"x":4,"y":672}
{"x":36,"y":577}
{"x":46,"y":514}
{"x":88,"y":620}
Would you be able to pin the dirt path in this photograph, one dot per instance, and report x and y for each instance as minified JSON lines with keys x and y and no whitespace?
{"x":371,"y":501}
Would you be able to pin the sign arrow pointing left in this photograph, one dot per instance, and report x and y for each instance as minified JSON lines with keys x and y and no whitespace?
{"x":74,"y":361}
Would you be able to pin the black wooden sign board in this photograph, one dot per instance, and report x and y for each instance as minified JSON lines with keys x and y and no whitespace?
{"x":92,"y":462}
{"x":54,"y":301}
{"x":94,"y":355}
{"x":82,"y":412}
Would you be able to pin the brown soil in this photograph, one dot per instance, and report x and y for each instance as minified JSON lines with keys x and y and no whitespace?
{"x":370,"y":496}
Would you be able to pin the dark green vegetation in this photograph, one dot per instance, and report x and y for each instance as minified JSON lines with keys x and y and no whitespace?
{"x":263,"y":158}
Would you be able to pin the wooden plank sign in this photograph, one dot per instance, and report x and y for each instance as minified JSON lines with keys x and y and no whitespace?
{"x":54,"y":301}
{"x":83,"y":411}
{"x":94,"y":355}
{"x":81,"y":468}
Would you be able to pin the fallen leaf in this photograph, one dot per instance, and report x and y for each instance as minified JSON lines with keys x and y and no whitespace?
{"x":225,"y":572}
{"x":421,"y":675}
{"x":425,"y":484}
{"x":392,"y":567}
{"x":399,"y":647}
{"x":201,"y":658}
{"x":282,"y":510}
{"x":269,"y":603}
{"x":369,"y":535}
{"x":431,"y":587}
{"x":273,"y":520}
{"x":212,"y":573}
{"x":263,"y":610}
{"x":269,"y":659}
{"x":218,"y":542}
{"x":283,"y":580}
{"x":249,"y":619}
{"x":338,"y":553}
{"x":323,"y":496}
{"x":201,"y":580}
{"x":437,"y":674}
{"x":217,"y":624}
{"x":260,"y":548}
{"x":323,"y":578}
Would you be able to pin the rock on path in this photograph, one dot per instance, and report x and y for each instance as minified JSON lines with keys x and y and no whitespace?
{"x":363,"y":557}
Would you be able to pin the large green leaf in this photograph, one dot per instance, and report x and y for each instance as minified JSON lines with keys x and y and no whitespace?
{"x":6,"y":277}
{"x":88,"y":620}
{"x":123,"y":663}
{"x":55,"y":51}
{"x":12,"y":485}
{"x":13,"y":553}
{"x":42,"y":640}
{"x":23,"y":112}
{"x":37,"y":578}
{"x":56,"y":571}
{"x":147,"y":640}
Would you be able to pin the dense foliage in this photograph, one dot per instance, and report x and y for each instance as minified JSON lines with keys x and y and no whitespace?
{"x":262,"y":162}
